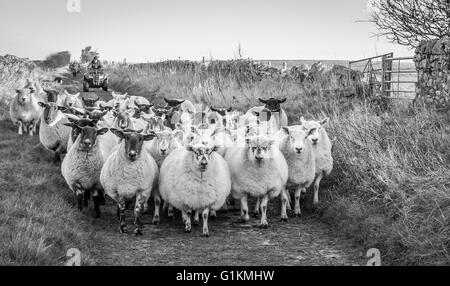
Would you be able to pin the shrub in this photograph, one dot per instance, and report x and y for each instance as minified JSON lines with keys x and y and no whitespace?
{"x":57,"y":60}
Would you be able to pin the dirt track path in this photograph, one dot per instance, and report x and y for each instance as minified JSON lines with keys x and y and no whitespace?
{"x":301,"y":241}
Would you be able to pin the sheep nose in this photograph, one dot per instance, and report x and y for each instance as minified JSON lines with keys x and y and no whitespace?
{"x":163,"y":151}
{"x":87,"y":142}
{"x":132,"y":154}
{"x":299,"y":150}
{"x":315,"y":141}
{"x":203,"y":165}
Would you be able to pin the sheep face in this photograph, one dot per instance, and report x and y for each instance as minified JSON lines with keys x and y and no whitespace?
{"x":90,"y":100}
{"x":133,"y":141}
{"x":259,"y":148}
{"x":222,"y":111}
{"x":71,"y":99}
{"x":313,"y":129}
{"x":201,"y":155}
{"x":123,"y":117}
{"x":119,"y":97}
{"x":165,"y":141}
{"x":296,"y":139}
{"x":272,"y":104}
{"x":83,"y":122}
{"x":88,"y":136}
{"x":145,"y":108}
{"x":160,"y":111}
{"x":173,"y":102}
{"x":51,"y":111}
{"x":24,"y":95}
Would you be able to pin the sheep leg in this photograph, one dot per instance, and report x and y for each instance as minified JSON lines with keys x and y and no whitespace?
{"x":157,"y":201}
{"x":140,"y":201}
{"x":187,"y":220}
{"x":96,"y":198}
{"x":316,"y":189}
{"x":19,"y":131}
{"x":264,"y":202}
{"x":297,"y":210}
{"x":284,"y":201}
{"x":196,"y":218}
{"x":257,"y":208}
{"x":31,"y":128}
{"x":86,"y":195}
{"x":170,"y":212}
{"x":79,"y":194}
{"x":244,"y":210}
{"x":121,"y":208}
{"x":213,"y":214}
{"x":205,"y":222}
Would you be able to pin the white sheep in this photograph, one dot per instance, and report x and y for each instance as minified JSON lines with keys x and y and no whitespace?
{"x":258,"y":169}
{"x":299,"y":155}
{"x":130,"y":172}
{"x":25,"y":111}
{"x":164,"y":143}
{"x":82,"y":165}
{"x":322,"y":151}
{"x":195,"y":178}
{"x":71,"y":100}
{"x":53,"y":134}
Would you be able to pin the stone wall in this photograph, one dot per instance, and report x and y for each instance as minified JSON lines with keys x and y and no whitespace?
{"x":432,"y":59}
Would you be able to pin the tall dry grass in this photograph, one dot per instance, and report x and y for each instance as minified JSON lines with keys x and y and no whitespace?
{"x":390,"y":187}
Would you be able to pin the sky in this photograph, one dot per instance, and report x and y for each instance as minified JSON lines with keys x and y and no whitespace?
{"x":153,"y":30}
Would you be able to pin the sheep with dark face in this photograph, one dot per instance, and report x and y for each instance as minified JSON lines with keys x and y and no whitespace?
{"x":82,"y":165}
{"x":321,"y":146}
{"x":272,"y":107}
{"x":25,"y":111}
{"x":130,"y":172}
{"x":53,"y":133}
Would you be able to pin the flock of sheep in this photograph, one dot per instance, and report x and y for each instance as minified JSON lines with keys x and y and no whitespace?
{"x":193,"y":158}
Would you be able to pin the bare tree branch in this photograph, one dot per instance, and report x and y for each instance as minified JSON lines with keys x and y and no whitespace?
{"x":408,"y":22}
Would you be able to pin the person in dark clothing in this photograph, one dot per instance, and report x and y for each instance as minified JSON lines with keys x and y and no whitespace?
{"x":95,"y":64}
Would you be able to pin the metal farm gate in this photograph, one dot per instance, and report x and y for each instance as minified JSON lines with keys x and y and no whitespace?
{"x":388,"y":76}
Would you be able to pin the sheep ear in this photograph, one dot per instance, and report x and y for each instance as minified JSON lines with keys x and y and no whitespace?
{"x":282,"y":100}
{"x":41,"y":104}
{"x":102,"y":131}
{"x":118,"y":133}
{"x":68,"y":124}
{"x":149,"y":136}
{"x":213,"y":109}
{"x":323,"y":121}
{"x":62,"y":108}
{"x":137,"y":104}
{"x":262,"y":100}
{"x":286,"y":129}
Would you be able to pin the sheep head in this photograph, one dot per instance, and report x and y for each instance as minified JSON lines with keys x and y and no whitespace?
{"x":272,"y":104}
{"x":259,"y":148}
{"x":201,"y":155}
{"x":133,"y":141}
{"x":313,"y":129}
{"x":51,"y":111}
{"x":297,"y":139}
